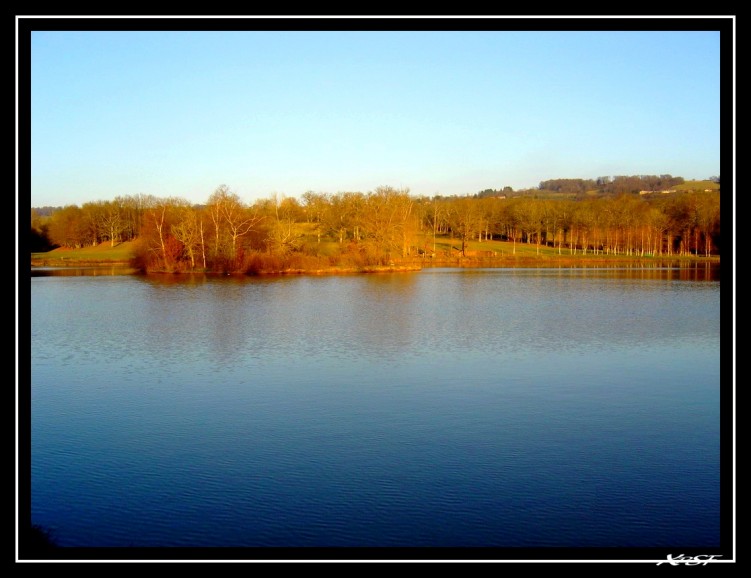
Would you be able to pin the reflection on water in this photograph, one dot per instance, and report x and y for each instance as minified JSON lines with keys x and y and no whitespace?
{"x":81,"y":271}
{"x":489,"y":407}
{"x":699,"y":271}
{"x":694,"y":271}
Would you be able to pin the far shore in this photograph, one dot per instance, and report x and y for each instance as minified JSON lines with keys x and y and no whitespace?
{"x":417,"y":264}
{"x":502,"y":255}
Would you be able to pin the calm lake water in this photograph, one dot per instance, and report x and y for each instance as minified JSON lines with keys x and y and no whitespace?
{"x":492,"y":408}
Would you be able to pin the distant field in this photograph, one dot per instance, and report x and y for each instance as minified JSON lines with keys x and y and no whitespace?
{"x":697,"y":186}
{"x":501,"y":248}
{"x":121,"y":252}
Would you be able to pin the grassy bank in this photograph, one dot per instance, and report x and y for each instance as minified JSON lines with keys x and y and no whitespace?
{"x":444,"y":253}
{"x":103,"y":254}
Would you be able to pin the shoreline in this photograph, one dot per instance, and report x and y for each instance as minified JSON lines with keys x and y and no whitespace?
{"x":574,"y":262}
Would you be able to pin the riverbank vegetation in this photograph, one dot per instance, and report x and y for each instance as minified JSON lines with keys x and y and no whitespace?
{"x":387,"y":229}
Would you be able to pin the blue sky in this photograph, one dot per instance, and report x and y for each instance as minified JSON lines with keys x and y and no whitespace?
{"x":179,"y":113}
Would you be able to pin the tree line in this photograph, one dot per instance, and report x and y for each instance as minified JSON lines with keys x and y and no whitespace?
{"x":378,"y":227}
{"x":616,"y":185}
{"x":601,"y":186}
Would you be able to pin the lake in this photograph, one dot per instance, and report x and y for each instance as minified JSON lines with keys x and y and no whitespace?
{"x":490,"y":408}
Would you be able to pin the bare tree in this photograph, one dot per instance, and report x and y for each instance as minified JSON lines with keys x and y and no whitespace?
{"x":187,"y":229}
{"x":284,"y":233}
{"x":232,"y":219}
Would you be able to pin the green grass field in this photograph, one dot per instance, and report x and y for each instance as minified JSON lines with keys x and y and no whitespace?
{"x":121,"y":252}
{"x":501,"y":248}
{"x":697,"y":186}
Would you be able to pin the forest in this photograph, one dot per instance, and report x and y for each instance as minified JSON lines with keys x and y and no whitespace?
{"x":388,"y":225}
